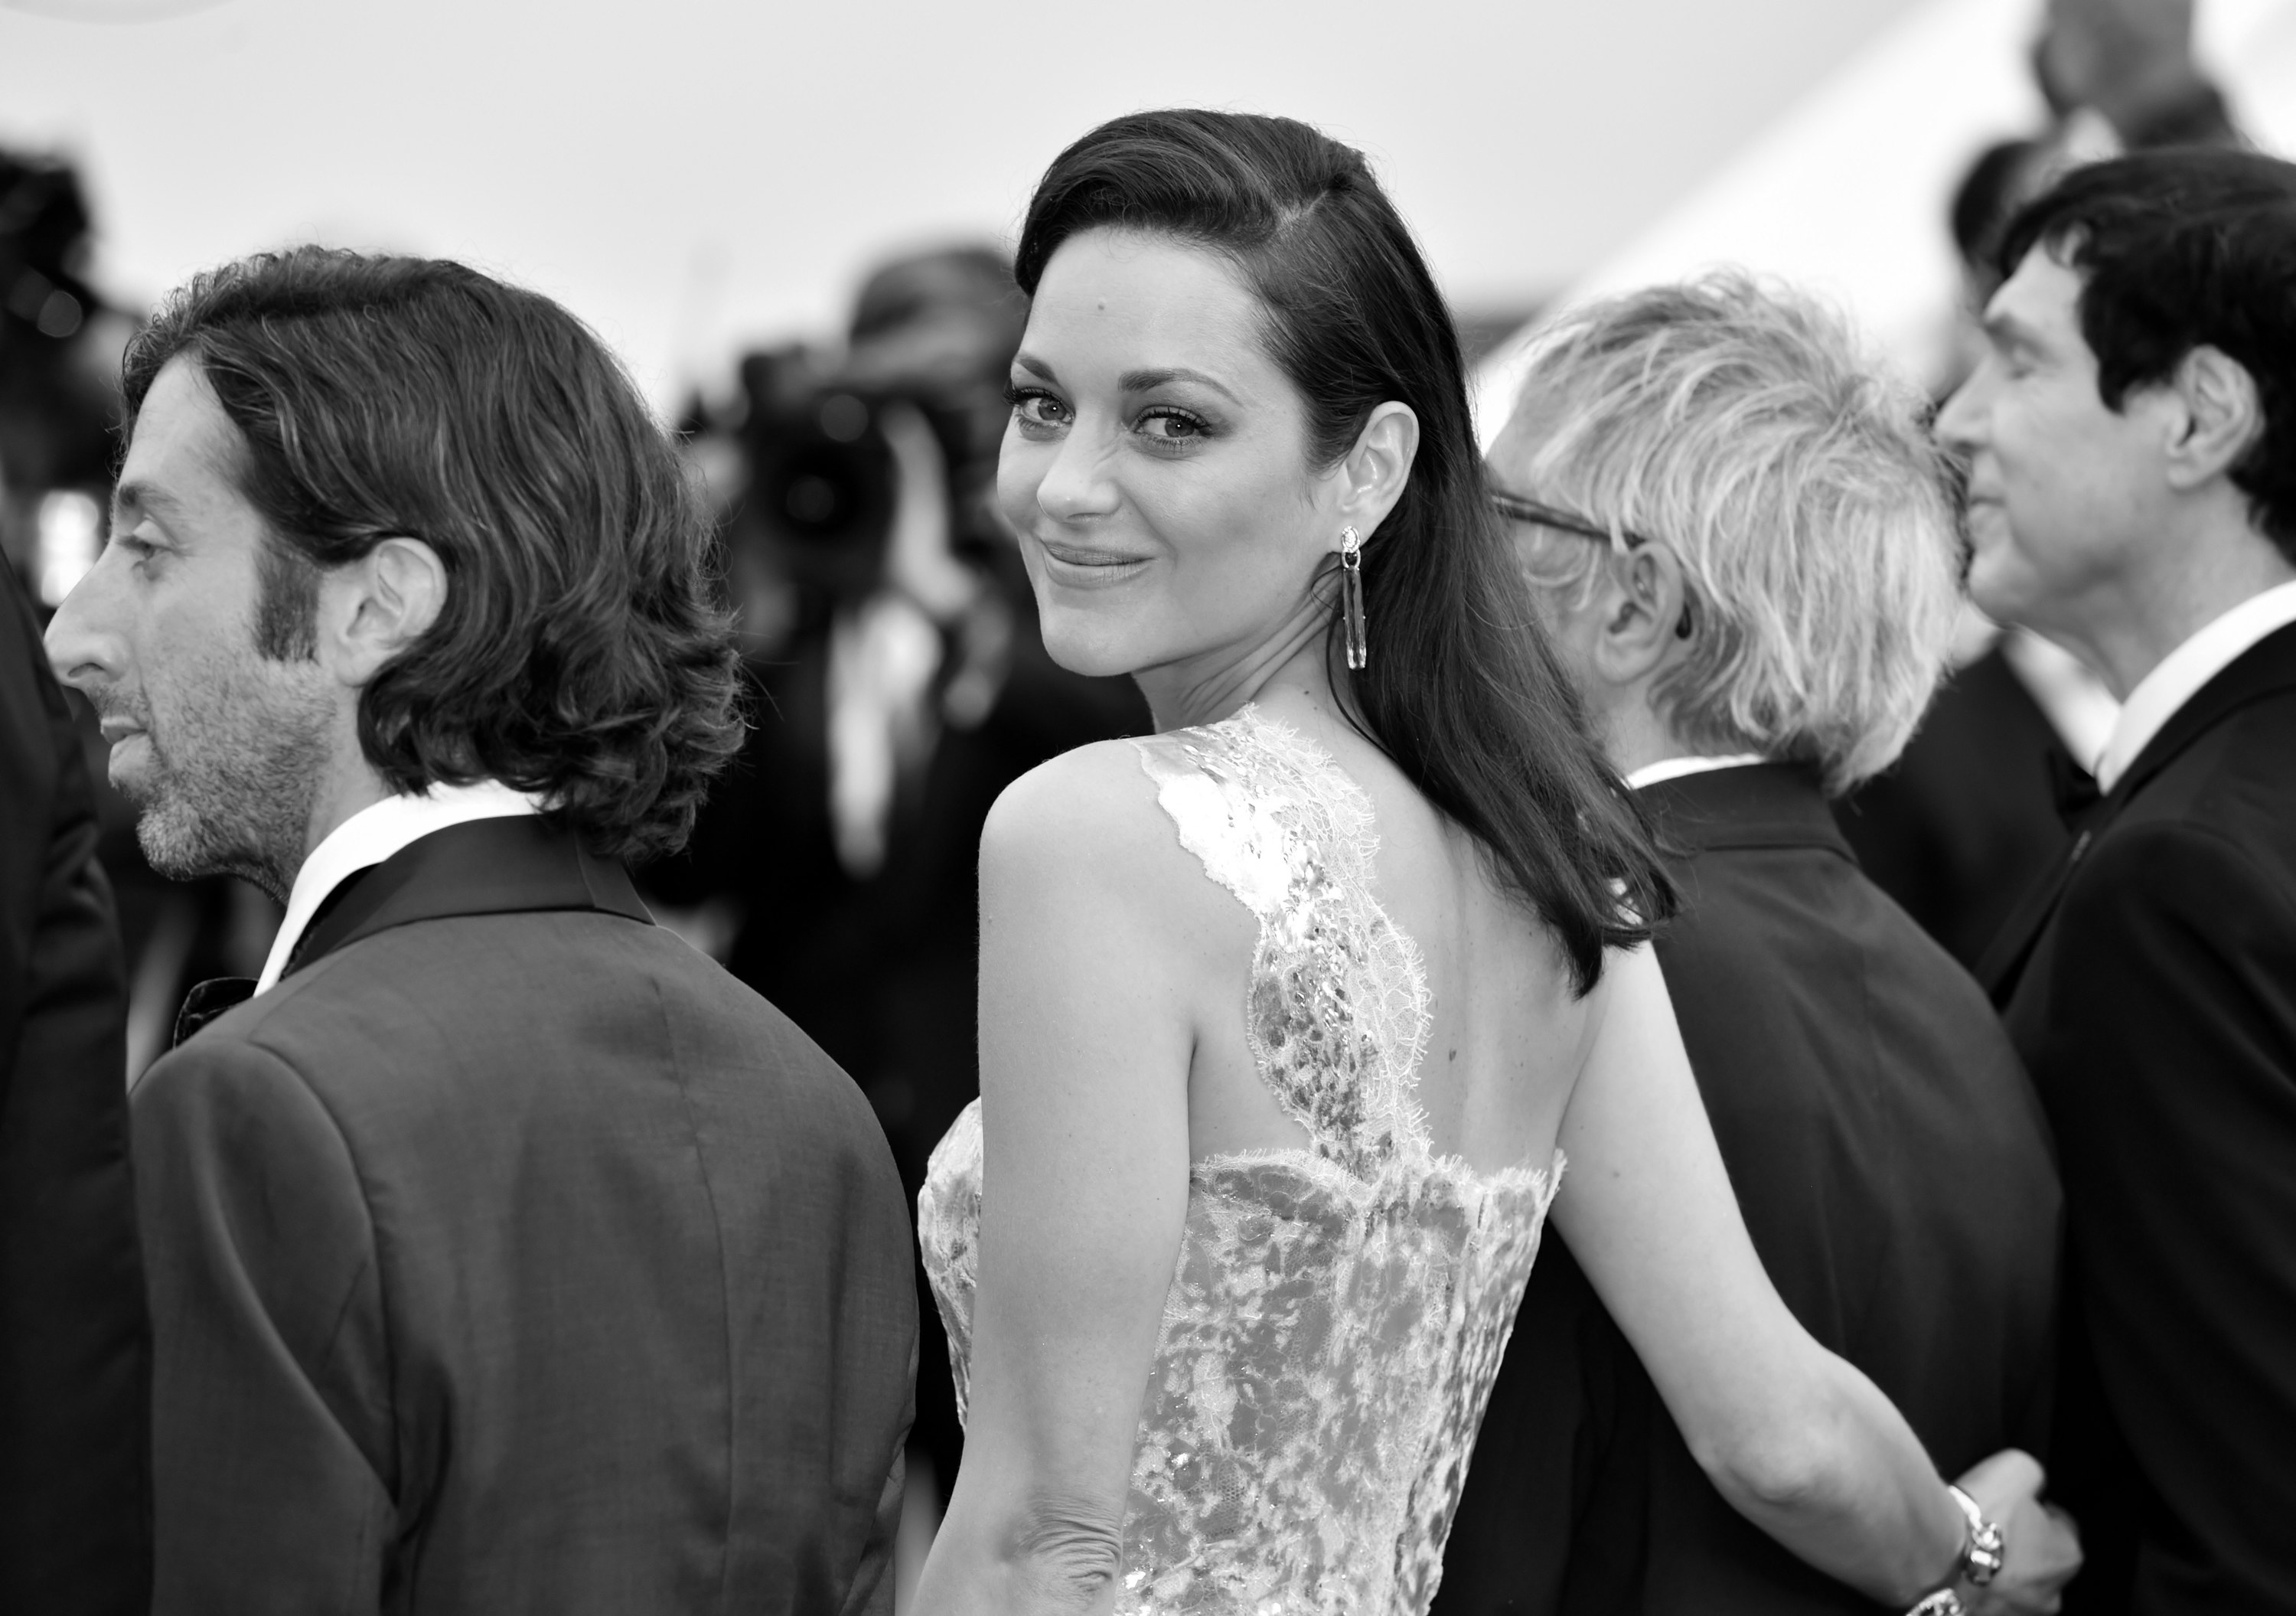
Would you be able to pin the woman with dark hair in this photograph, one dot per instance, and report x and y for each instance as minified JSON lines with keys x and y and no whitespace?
{"x":1285,"y":1011}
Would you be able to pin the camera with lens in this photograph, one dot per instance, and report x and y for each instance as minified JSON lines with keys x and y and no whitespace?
{"x":823,"y":483}
{"x":930,"y":333}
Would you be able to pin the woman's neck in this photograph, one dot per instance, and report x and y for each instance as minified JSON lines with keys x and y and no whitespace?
{"x":1181,"y":695}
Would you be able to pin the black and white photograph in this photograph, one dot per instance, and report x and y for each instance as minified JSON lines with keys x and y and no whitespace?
{"x":907,"y":810}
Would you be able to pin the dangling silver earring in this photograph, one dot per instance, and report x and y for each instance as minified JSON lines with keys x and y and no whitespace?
{"x":1351,"y":599}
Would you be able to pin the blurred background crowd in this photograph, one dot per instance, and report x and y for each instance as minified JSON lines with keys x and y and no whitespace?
{"x":898,"y":682}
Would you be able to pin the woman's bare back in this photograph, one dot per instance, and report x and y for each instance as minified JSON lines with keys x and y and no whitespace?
{"x":1505,"y":1037}
{"x":1344,"y":1278}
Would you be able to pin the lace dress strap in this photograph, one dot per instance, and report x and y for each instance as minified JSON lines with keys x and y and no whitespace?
{"x":1336,"y":1007}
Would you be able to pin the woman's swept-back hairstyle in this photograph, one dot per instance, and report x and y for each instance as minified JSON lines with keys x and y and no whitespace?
{"x":1462,"y":691}
{"x":1738,"y":424}
{"x":580,"y":654}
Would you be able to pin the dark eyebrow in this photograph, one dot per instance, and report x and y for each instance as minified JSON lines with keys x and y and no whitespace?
{"x":2009,"y":328}
{"x":130,"y":497}
{"x":1035,"y":366}
{"x":1143,"y":380}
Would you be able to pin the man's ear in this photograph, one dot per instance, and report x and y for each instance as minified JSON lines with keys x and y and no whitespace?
{"x":2221,"y":416}
{"x":1372,"y":474}
{"x":1645,"y":614}
{"x":373,"y":609}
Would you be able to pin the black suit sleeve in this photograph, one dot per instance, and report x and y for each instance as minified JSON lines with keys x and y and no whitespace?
{"x":2175,"y":1049}
{"x":272,"y":1444}
{"x":75,"y":1489}
{"x":872,"y":1591}
{"x":1551,"y":1522}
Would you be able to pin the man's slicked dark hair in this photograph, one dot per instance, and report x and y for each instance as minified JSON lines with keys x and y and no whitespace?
{"x":579,"y":654}
{"x":1462,"y":691}
{"x":2178,"y":249}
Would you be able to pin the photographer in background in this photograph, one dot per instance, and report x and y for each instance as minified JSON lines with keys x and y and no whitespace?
{"x":902,"y":683}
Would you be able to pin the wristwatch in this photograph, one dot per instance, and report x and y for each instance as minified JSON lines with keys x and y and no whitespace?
{"x":1983,"y":1552}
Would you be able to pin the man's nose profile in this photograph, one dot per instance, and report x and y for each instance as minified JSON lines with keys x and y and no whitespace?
{"x":78,"y":651}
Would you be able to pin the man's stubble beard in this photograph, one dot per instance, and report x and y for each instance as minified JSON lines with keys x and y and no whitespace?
{"x":233,"y":781}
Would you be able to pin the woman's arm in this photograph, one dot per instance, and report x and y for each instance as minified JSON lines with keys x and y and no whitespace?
{"x":1799,"y":1441}
{"x":1086,"y":1039}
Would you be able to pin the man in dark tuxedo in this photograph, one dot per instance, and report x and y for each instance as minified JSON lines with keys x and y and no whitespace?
{"x":75,"y":1341}
{"x":1744,"y":546}
{"x":506,"y":1255}
{"x":2131,"y":442}
{"x":1960,"y":824}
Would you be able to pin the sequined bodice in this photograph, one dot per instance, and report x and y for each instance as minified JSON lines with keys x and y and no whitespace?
{"x":1339,"y":1309}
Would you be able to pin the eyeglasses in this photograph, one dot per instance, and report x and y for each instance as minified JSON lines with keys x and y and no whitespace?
{"x":1515,"y":507}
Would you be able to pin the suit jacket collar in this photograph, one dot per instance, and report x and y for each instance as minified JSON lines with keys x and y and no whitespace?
{"x":1755,"y":804}
{"x":485,"y":866}
{"x":372,"y":834}
{"x":2265,"y":669}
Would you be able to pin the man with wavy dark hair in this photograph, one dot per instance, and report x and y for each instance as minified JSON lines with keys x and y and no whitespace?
{"x":505,"y":1254}
{"x":2131,"y":442}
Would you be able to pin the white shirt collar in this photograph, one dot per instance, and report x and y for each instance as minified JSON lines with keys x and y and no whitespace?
{"x":2183,"y":671}
{"x":2070,"y":696}
{"x":374,"y":834}
{"x":1675,"y":769}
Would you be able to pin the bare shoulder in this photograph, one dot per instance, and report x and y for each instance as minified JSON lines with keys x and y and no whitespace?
{"x":1098,"y":793}
{"x":1086,"y":829}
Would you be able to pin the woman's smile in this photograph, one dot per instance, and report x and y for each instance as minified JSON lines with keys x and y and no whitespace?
{"x":1075,"y":566}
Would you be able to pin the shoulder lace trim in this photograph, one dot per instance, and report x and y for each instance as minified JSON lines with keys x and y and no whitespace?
{"x":1336,"y":1009}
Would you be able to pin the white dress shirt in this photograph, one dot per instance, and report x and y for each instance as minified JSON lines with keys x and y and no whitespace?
{"x":1675,"y":769}
{"x":2184,"y":670}
{"x":374,"y":834}
{"x":2070,"y":696}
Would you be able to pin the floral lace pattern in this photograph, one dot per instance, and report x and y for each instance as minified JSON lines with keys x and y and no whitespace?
{"x":1339,"y":1310}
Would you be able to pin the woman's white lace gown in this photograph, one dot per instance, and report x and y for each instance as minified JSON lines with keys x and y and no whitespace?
{"x":1339,"y":1310}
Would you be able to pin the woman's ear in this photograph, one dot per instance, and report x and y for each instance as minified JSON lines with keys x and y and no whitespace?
{"x":1372,"y":474}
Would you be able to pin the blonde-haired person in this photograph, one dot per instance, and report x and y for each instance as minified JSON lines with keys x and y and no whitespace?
{"x":1745,"y":546}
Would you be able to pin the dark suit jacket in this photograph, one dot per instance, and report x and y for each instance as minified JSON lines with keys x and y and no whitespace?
{"x":510,"y":1255}
{"x":1895,"y":1176}
{"x":1966,"y":818}
{"x":75,"y":1347}
{"x":2152,"y":988}
{"x":883,"y":972}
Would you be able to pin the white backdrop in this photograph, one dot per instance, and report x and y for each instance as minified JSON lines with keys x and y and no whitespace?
{"x":687,"y":172}
{"x":1846,"y":191}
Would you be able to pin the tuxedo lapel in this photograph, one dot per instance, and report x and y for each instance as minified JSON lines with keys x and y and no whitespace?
{"x":2005,"y":959}
{"x":485,"y":866}
{"x":2266,"y":668}
{"x":2084,"y":812}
